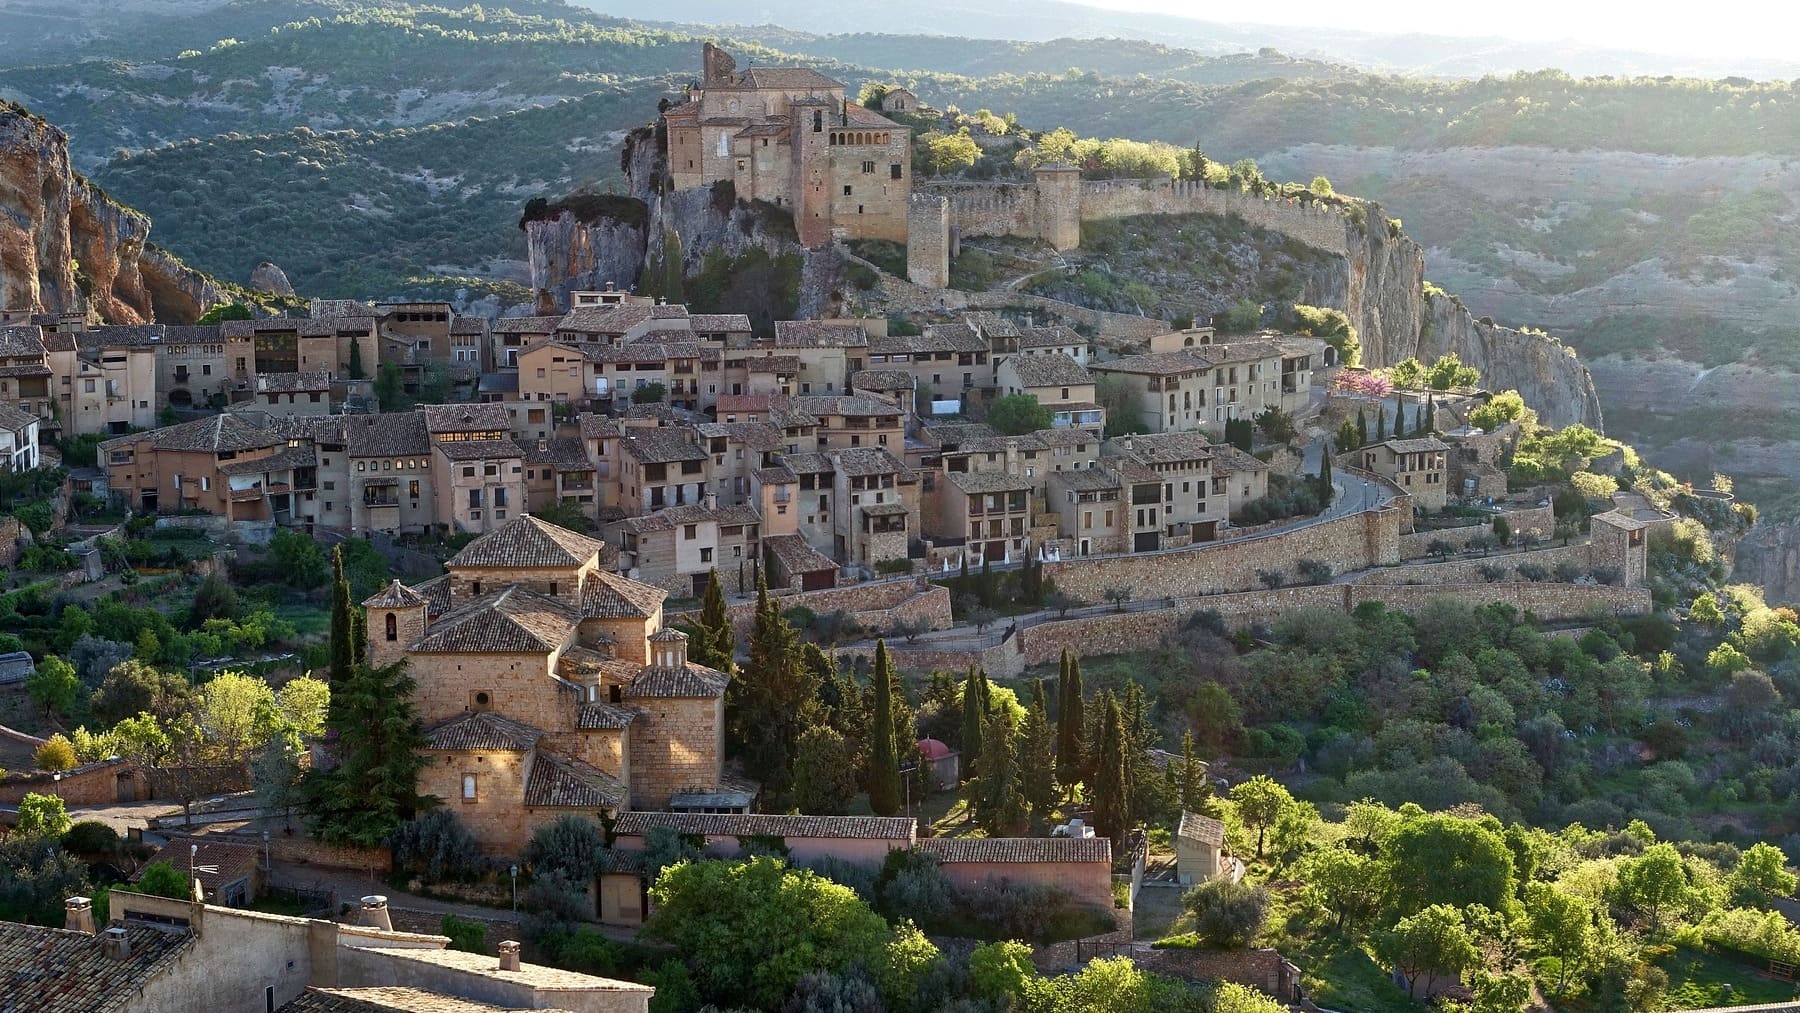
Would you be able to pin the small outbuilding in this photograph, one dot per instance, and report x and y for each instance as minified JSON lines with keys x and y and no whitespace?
{"x":1200,"y":851}
{"x":945,"y":763}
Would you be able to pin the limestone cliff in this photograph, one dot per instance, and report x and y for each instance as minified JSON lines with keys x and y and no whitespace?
{"x":1769,"y":557}
{"x":67,"y":247}
{"x":1381,"y":285}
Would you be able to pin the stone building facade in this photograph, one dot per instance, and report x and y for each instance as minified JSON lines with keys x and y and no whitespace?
{"x":788,"y":136}
{"x":549,"y":685}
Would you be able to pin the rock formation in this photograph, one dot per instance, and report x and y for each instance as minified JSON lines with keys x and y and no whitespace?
{"x":269,"y":278}
{"x":66,"y":247}
{"x":1381,"y":286}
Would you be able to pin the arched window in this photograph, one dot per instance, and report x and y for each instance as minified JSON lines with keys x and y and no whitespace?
{"x":393,"y":627}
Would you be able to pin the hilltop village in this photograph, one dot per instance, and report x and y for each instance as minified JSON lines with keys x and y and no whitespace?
{"x":665,"y":623}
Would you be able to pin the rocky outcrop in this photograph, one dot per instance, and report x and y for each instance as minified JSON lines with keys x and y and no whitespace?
{"x":570,"y":255}
{"x":1381,"y":286}
{"x":67,"y":247}
{"x":1769,"y":557}
{"x":267,"y":277}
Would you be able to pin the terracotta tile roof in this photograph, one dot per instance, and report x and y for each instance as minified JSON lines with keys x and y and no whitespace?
{"x":663,"y":444}
{"x":468,"y":325}
{"x":762,"y":436}
{"x":511,"y":621}
{"x":610,"y":596}
{"x":729,"y":403}
{"x":780,"y":474}
{"x":27,"y":369}
{"x":692,"y":682}
{"x":388,"y":434}
{"x":481,"y":731}
{"x":437,"y":594}
{"x":480,"y":450}
{"x":1418,"y":445}
{"x":867,"y":461}
{"x":1017,"y":849}
{"x":527,"y":543}
{"x":845,"y":404}
{"x":58,"y":971}
{"x":464,"y":965}
{"x":991,"y":324}
{"x":1165,"y":448}
{"x":797,"y":556}
{"x":395,"y":595}
{"x":1065,"y":437}
{"x":709,"y":323}
{"x":386,"y":999}
{"x":819,"y":334}
{"x":953,"y":434}
{"x":604,"y":715}
{"x":1205,"y":829}
{"x":216,"y":864}
{"x":773,"y":364}
{"x":1054,"y":370}
{"x":565,"y":453}
{"x":637,"y":823}
{"x":119,"y":336}
{"x":1228,"y":460}
{"x":222,"y":432}
{"x":465,"y":418}
{"x":1050,"y":337}
{"x":563,"y":782}
{"x":881,"y":379}
{"x":669,"y":518}
{"x":526,"y":325}
{"x":1087,"y":479}
{"x":597,"y":427}
{"x":1243,"y":351}
{"x":193,"y":334}
{"x":808,"y":464}
{"x":784,"y":78}
{"x":604,"y":319}
{"x":17,"y":342}
{"x":861,"y":116}
{"x":14,"y":420}
{"x":937,"y":338}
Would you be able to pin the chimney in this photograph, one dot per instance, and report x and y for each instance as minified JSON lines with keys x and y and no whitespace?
{"x":115,"y":942}
{"x":78,"y":915}
{"x":509,"y":955}
{"x":375,"y":913}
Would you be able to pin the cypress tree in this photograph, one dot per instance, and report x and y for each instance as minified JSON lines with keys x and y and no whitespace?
{"x":1325,"y":473}
{"x":883,"y":775}
{"x":356,"y":362}
{"x":1362,"y":428}
{"x":1037,"y":763}
{"x":1071,"y":758}
{"x":715,"y":646}
{"x":999,"y":803}
{"x":984,"y":587}
{"x":1430,"y":415}
{"x":1112,"y":804}
{"x":343,"y":652}
{"x":1380,"y":424}
{"x":1399,"y":415}
{"x":771,"y":701}
{"x":972,"y":713}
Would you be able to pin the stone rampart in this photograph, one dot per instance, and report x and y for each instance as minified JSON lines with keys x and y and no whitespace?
{"x":1021,"y":209}
{"x":1356,"y":542}
{"x":1468,"y":571}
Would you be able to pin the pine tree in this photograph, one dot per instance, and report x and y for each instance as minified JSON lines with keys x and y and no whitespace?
{"x":1037,"y":761}
{"x":883,"y":774}
{"x":1112,"y":800}
{"x":1380,"y":424}
{"x":1071,"y":756}
{"x":376,"y":742}
{"x":714,"y":644}
{"x":343,"y":651}
{"x":772,"y":700}
{"x":999,"y":803}
{"x":1362,"y":428}
{"x":972,"y":715}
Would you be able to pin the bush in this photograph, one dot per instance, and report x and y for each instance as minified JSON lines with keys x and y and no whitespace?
{"x":435,"y":847}
{"x":466,"y":934}
{"x":1227,"y":914}
{"x":572,"y":847}
{"x":91,"y":837}
{"x":55,"y":754}
{"x":1315,"y":571}
{"x":1533,"y":572}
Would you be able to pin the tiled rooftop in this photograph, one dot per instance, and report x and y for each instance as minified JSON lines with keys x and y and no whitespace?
{"x":1018,"y":849}
{"x":610,"y":596}
{"x":563,"y":782}
{"x":1054,"y":370}
{"x":481,"y":731}
{"x":1205,"y":829}
{"x":691,"y":682}
{"x":395,"y":595}
{"x":527,"y":543}
{"x":221,"y":432}
{"x":636,"y":823}
{"x":510,"y":621}
{"x":387,"y":999}
{"x":59,"y":971}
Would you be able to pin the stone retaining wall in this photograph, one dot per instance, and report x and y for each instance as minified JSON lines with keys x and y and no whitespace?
{"x":1537,"y":520}
{"x":1468,"y":571}
{"x":91,"y":784}
{"x":877,"y":606}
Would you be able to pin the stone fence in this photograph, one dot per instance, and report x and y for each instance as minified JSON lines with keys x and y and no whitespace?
{"x":90,"y":784}
{"x":1468,"y":571}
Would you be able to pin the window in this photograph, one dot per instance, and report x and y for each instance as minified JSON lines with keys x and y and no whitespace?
{"x":818,"y":121}
{"x":206,"y":370}
{"x":894,"y":170}
{"x":499,"y":497}
{"x":393,"y":627}
{"x":846,"y":190}
{"x":468,"y":472}
{"x":474,"y":499}
{"x":869,"y":167}
{"x":468,"y":788}
{"x":88,"y":386}
{"x":706,"y":555}
{"x":690,"y":532}
{"x":553,"y":589}
{"x":475,"y":587}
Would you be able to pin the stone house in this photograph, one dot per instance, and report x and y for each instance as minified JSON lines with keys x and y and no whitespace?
{"x":661,"y":466}
{"x":737,"y":449}
{"x":612,"y":324}
{"x":677,"y":548}
{"x":899,"y":100}
{"x":230,"y":874}
{"x":163,"y":955}
{"x":478,"y":470}
{"x":1088,"y":504}
{"x":179,"y":467}
{"x":25,"y":371}
{"x":550,"y":685}
{"x":512,"y":335}
{"x":826,"y":351}
{"x":1184,"y":462}
{"x":759,"y":372}
{"x":788,"y":136}
{"x":1168,"y":390}
{"x":422,"y":328}
{"x":18,"y":440}
{"x":471,"y":346}
{"x":289,"y":394}
{"x":1080,"y":865}
{"x":1053,"y":340}
{"x":105,"y":378}
{"x":896,"y":385}
{"x":846,"y":421}
{"x":1204,"y":385}
{"x":557,"y":469}
{"x":814,"y":490}
{"x":203,"y":365}
{"x":946,"y":361}
{"x":873,"y":513}
{"x":1418,"y":466}
{"x":987,"y":511}
{"x":1059,"y":383}
{"x":1238,"y":476}
{"x":559,"y":372}
{"x":376,"y":473}
{"x":795,"y":564}
{"x":1200,"y":852}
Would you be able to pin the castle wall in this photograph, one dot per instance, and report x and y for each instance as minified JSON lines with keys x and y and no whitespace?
{"x":494,"y":814}
{"x":518,"y":686}
{"x":928,"y":241}
{"x":675,"y":749}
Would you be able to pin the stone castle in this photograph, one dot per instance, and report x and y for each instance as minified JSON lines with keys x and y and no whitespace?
{"x":791,"y":137}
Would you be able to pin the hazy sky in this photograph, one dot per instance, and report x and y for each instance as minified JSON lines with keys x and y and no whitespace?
{"x":1757,"y":28}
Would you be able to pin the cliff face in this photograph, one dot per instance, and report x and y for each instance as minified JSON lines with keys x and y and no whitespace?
{"x":568,"y":255}
{"x":1381,"y":286}
{"x":66,"y":247}
{"x":1769,"y":557}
